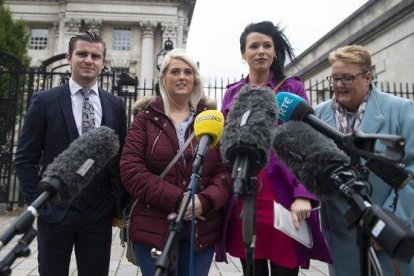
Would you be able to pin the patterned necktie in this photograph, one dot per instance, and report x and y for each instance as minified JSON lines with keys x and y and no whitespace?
{"x":88,"y":113}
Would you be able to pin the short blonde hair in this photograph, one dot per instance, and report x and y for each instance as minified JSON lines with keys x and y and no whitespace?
{"x":198,"y":91}
{"x":355,"y":54}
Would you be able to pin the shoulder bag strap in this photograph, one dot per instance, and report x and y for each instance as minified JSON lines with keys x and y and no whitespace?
{"x":187,"y":142}
{"x":169,"y":166}
{"x":279,"y":85}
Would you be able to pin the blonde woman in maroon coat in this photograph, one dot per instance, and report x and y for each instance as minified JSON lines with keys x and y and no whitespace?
{"x":159,"y":130}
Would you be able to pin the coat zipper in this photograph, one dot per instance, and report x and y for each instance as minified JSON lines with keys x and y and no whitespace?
{"x":155,"y":142}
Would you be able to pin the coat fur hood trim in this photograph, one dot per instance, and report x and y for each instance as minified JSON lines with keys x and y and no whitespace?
{"x":143,"y":103}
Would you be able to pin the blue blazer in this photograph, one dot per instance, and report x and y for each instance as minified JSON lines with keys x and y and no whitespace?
{"x":385,"y":114}
{"x":49,"y":127}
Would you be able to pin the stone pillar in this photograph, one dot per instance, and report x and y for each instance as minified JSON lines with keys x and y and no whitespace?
{"x":60,"y":46}
{"x":134,"y":54}
{"x":181,"y":39}
{"x":55,"y":37}
{"x":185,"y":31}
{"x":147,"y":54}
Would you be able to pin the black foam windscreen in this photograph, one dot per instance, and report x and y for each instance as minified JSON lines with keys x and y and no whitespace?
{"x":76,"y":166}
{"x":250,"y":126}
{"x":308,"y":154}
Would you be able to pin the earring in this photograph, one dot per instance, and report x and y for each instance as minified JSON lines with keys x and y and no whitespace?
{"x":243,"y":61}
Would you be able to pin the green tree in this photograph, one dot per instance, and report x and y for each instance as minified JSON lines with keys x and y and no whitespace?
{"x":14,"y":35}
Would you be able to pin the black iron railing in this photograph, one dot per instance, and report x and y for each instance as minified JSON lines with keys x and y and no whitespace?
{"x":15,"y":98}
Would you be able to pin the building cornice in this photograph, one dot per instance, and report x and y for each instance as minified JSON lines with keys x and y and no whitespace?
{"x":361,"y":36}
{"x":107,"y":10}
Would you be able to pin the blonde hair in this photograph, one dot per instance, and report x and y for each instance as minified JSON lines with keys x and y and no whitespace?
{"x":198,"y":91}
{"x":354,"y":54}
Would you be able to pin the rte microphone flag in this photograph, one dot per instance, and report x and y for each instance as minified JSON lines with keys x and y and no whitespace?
{"x":293,"y":107}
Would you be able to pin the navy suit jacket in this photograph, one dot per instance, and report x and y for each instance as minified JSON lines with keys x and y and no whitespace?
{"x":48,"y":129}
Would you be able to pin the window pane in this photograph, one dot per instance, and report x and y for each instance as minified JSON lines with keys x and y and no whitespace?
{"x":122,"y":39}
{"x":38,"y":39}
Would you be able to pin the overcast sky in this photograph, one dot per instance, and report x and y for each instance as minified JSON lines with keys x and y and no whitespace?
{"x":216,"y":26}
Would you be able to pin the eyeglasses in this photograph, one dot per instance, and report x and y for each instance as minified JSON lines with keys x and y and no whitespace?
{"x":346,"y":80}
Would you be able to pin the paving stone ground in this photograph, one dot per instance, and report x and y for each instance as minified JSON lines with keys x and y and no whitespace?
{"x":119,"y":266}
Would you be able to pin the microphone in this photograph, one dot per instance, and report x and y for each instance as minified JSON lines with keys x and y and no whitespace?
{"x":310,"y":156}
{"x":248,"y":133}
{"x":75,"y":167}
{"x":208,"y":128}
{"x":293,"y":107}
{"x":68,"y":174}
{"x":325,"y":170}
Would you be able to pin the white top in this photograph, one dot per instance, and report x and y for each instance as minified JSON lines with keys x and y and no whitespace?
{"x":77,"y":102}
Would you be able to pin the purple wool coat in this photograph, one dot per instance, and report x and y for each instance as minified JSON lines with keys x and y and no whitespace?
{"x":283,"y":184}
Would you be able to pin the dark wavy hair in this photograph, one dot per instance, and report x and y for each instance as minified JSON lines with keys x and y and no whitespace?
{"x":282,"y":44}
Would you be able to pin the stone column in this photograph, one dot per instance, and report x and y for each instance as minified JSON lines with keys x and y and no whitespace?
{"x":60,"y":47}
{"x":147,"y":54}
{"x":185,"y":32}
{"x":180,"y":34}
{"x":54,"y":37}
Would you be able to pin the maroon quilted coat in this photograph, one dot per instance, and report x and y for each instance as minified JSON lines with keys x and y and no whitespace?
{"x":150,"y":145}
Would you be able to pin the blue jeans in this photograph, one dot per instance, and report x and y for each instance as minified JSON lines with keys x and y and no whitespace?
{"x":202,"y":259}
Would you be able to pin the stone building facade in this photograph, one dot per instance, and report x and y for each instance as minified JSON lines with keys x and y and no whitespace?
{"x":135,"y":31}
{"x":384,"y":27}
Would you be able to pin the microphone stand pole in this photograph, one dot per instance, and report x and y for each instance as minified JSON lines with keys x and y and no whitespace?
{"x":20,"y":250}
{"x":244,"y":189}
{"x":248,"y":232}
{"x":24,"y":225}
{"x":167,"y":260}
{"x":367,"y":257}
{"x":349,"y":183}
{"x":25,"y":221}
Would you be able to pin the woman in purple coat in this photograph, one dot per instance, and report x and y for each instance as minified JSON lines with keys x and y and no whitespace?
{"x":264,"y":47}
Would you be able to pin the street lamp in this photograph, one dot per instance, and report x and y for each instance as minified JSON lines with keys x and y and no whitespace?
{"x":168,"y":46}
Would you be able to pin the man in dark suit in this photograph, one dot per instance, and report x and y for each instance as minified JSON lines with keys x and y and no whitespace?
{"x":54,"y":119}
